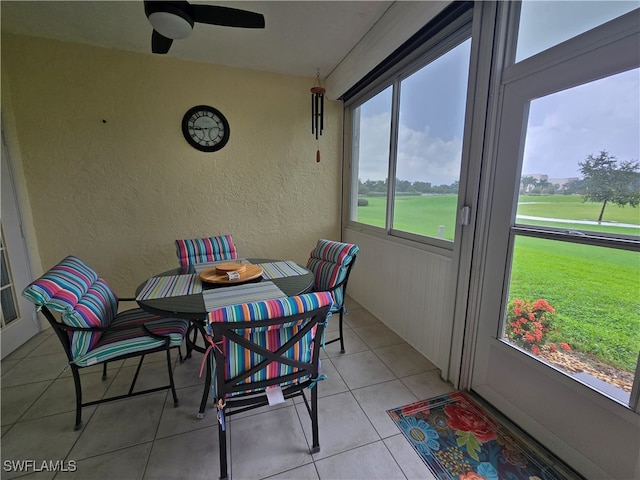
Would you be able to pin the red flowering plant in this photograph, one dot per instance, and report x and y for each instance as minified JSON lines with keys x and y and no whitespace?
{"x":528,"y":324}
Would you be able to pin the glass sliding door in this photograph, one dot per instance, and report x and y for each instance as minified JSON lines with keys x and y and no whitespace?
{"x":558,"y":334}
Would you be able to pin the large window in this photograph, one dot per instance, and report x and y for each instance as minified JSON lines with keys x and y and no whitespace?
{"x":412,"y":132}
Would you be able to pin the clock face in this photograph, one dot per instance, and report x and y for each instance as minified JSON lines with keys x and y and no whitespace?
{"x":205,"y":128}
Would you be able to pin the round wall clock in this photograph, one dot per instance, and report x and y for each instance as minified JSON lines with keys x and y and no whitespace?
{"x":205,"y":128}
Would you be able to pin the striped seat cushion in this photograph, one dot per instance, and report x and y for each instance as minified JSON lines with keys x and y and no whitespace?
{"x":80,"y":295}
{"x":200,"y":250}
{"x":239,"y":359}
{"x":329,"y":262}
{"x":115,"y":343}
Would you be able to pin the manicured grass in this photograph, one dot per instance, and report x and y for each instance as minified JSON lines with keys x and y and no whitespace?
{"x":595,"y":291}
{"x":424,"y":214}
{"x":572,"y":207}
{"x":416,"y":214}
{"x":374,"y":213}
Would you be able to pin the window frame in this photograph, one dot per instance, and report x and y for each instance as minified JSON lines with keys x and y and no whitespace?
{"x":452,"y":35}
{"x":533,"y":80}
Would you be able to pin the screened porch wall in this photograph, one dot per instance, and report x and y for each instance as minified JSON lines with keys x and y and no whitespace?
{"x":408,"y":289}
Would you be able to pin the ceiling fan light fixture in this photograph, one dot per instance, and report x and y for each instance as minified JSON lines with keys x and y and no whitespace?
{"x":174,"y":24}
{"x":174,"y":20}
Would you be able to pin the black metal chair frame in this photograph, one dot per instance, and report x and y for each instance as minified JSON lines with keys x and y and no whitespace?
{"x":62,"y":331}
{"x":342,"y":308}
{"x":242,"y":402}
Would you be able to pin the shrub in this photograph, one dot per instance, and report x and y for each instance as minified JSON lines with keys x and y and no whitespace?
{"x":528,"y":325}
{"x":363,"y":202}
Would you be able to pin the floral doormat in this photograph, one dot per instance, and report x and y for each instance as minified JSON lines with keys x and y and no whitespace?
{"x":458,"y":439}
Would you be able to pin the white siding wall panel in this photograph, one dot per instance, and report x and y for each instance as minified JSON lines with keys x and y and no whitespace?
{"x":410,"y":290}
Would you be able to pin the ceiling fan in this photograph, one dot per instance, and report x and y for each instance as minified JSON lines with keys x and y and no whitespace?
{"x":174,"y":20}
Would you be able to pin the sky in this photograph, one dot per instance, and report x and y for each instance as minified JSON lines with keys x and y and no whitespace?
{"x":432,"y":105}
{"x":566,"y":127}
{"x":563,"y":128}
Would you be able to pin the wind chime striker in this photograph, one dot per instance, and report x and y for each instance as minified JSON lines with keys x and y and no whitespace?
{"x":317,"y":111}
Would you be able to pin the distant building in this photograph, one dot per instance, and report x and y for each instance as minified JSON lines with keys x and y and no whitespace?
{"x":560,"y":182}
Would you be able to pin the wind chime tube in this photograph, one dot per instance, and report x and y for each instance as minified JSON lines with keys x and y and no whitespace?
{"x":317,"y":110}
{"x":321,"y":112}
{"x":316,"y":113}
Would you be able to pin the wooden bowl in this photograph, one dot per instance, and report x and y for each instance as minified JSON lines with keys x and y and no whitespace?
{"x":231,"y":267}
{"x":213,"y":275}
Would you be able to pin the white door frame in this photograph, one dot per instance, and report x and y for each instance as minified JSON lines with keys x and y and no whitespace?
{"x":513,"y":382}
{"x":27,"y":324}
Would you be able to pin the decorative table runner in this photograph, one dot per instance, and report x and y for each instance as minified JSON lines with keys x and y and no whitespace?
{"x":281,"y":269}
{"x":250,"y":292}
{"x":171,"y":286}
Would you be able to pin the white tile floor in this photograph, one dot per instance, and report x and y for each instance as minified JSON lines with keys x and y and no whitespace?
{"x":147,"y":438}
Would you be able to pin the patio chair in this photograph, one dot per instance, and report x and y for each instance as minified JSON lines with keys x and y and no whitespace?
{"x":82,"y":309}
{"x":209,"y":249}
{"x":261,"y":346}
{"x":331,"y":262}
{"x":203,"y":250}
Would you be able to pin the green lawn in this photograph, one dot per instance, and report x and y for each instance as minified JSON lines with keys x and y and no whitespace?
{"x":416,"y":214}
{"x":425,"y":214}
{"x":595,"y":291}
{"x":572,"y":207}
{"x":374,"y":213}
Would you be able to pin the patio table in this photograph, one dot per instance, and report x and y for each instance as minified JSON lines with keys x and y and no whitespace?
{"x":180,"y":293}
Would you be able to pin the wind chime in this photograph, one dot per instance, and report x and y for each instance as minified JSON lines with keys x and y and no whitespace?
{"x":317,"y":111}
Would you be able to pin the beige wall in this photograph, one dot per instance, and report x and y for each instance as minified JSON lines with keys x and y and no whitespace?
{"x":111,"y":179}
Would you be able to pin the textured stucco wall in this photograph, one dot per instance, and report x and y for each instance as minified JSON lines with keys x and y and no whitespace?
{"x":111,"y":179}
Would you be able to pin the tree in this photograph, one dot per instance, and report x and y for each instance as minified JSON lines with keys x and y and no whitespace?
{"x":574,"y":187}
{"x":527,"y":183}
{"x":544,"y":187}
{"x":402,"y":185}
{"x":422,"y":187}
{"x":606,"y":180}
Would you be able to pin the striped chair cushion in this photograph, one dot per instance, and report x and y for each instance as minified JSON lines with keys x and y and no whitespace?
{"x":329,"y":262}
{"x":83,"y":299}
{"x":240,"y":359}
{"x":115,"y":343}
{"x":61,"y":287}
{"x":200,"y":250}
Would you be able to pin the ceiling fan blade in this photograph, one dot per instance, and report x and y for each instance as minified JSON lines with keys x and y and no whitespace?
{"x":159,"y":43}
{"x":228,"y":17}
